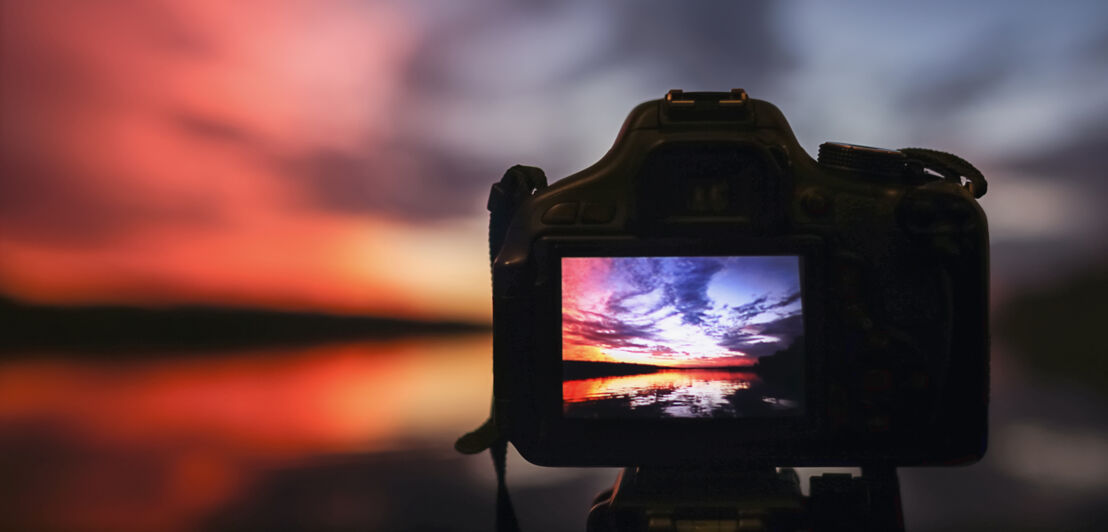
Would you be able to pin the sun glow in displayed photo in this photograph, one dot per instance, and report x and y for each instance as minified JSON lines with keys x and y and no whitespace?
{"x":687,"y":337}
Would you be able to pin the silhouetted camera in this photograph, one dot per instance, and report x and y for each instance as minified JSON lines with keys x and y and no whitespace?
{"x":707,"y":293}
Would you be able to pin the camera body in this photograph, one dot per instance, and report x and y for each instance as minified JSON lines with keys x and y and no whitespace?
{"x":709,"y":294}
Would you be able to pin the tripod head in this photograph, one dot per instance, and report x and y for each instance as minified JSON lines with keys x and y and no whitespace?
{"x":758,"y":500}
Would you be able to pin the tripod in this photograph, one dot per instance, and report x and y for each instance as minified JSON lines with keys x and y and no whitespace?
{"x":765,"y":500}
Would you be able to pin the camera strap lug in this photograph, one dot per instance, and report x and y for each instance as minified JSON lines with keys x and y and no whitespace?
{"x":951,"y":167}
{"x":518,"y":183}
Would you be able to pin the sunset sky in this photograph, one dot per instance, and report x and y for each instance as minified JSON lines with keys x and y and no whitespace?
{"x":679,"y":311}
{"x":335,"y":156}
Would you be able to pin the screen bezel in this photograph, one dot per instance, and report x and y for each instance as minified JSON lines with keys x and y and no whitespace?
{"x":632,"y":440}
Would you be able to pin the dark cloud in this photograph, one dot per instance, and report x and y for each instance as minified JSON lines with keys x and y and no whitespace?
{"x":749,"y":310}
{"x":755,"y":344}
{"x":788,"y":327}
{"x":721,"y":43}
{"x":642,"y":276}
{"x":1080,"y":159}
{"x":607,"y":332}
{"x":690,"y":291}
{"x":408,"y":181}
{"x":750,"y":346}
{"x":746,"y":312}
{"x":404,"y":181}
{"x":711,"y":47}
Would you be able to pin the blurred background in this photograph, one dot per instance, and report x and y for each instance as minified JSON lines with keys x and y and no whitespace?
{"x":243,"y":259}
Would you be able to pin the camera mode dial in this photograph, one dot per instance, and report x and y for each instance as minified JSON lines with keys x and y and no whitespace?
{"x":866,"y":159}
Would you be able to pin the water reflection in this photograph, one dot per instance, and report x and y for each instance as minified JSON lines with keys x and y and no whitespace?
{"x":158,"y":443}
{"x":357,"y":436}
{"x":685,"y":393}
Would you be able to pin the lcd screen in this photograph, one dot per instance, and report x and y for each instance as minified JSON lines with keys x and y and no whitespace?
{"x":682,"y":337}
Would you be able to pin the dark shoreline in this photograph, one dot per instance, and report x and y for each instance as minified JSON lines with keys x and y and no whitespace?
{"x":122,"y":329}
{"x":576,"y":369}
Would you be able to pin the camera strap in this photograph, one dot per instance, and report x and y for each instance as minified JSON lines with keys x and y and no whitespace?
{"x":518,"y":183}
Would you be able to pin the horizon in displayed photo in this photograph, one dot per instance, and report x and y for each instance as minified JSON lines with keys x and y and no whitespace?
{"x":710,"y":336}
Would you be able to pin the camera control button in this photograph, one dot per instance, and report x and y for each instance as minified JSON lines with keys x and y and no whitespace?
{"x":816,"y":203}
{"x":561,"y":214}
{"x":597,"y":213}
{"x":862,"y":159}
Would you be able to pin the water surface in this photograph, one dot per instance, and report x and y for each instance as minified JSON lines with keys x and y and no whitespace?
{"x":682,"y":393}
{"x":358,"y":435}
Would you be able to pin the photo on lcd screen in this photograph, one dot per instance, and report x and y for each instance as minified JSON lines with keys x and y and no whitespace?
{"x":682,"y":337}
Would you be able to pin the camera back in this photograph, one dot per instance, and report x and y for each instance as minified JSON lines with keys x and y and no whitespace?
{"x":708,"y":293}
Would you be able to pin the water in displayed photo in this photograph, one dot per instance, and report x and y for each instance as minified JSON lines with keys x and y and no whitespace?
{"x":682,"y":337}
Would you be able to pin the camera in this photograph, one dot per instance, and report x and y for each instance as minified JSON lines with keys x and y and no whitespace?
{"x":708,"y":294}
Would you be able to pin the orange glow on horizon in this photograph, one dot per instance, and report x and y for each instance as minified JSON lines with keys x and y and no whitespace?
{"x":352,"y":266}
{"x":582,"y":390}
{"x":591,"y":353}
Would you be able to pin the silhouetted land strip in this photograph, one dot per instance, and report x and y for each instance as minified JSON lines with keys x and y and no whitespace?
{"x":576,"y":369}
{"x":785,"y":364}
{"x":119,"y":329}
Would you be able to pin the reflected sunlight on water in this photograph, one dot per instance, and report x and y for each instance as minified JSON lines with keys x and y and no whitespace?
{"x":156,"y":442}
{"x":683,"y":393}
{"x":700,"y":382}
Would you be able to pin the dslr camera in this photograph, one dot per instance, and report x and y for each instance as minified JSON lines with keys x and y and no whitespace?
{"x":709,"y":294}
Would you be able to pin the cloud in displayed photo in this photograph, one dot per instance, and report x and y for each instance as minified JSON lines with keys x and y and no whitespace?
{"x":680,"y":311}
